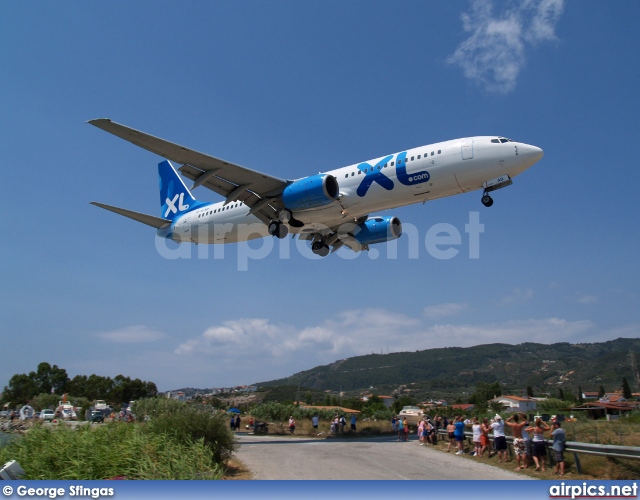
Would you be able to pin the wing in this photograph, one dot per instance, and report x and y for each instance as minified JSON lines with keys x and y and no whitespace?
{"x":257,"y":190}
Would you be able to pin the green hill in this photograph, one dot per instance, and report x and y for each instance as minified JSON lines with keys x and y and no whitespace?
{"x":455,"y":371}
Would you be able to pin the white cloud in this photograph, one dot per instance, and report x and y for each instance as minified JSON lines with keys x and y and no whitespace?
{"x":444,"y":310}
{"x":542,"y":331}
{"x":517,"y":296}
{"x":132,"y":334}
{"x":587,"y":299}
{"x":255,"y":349}
{"x":494,"y":53}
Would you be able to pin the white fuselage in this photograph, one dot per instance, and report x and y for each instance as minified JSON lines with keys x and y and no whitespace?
{"x":412,"y":176}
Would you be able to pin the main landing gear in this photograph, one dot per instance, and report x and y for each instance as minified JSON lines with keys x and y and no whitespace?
{"x":278,"y":229}
{"x":487,"y":200}
{"x":319,"y":248}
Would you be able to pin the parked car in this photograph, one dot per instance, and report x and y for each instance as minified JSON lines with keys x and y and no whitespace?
{"x":96,"y":416}
{"x":47,"y":415}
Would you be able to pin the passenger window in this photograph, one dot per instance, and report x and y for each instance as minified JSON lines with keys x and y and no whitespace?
{"x":359,"y":172}
{"x":392,"y":164}
{"x":352,"y":174}
{"x":418,"y":157}
{"x":412,"y":158}
{"x":431,"y":153}
{"x":439,"y":151}
{"x":346,"y":175}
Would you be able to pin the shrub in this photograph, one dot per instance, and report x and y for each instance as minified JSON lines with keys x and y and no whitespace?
{"x":187,"y":423}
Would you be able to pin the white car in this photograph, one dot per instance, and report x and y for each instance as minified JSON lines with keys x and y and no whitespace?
{"x":47,"y":414}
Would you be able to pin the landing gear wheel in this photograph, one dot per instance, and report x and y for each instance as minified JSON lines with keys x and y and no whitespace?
{"x":487,"y":200}
{"x":278,"y":230}
{"x":320,"y":249}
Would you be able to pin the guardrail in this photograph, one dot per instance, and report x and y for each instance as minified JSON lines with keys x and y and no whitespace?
{"x":575,"y":447}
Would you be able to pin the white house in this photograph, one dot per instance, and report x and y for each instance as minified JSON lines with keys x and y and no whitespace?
{"x":515,"y":404}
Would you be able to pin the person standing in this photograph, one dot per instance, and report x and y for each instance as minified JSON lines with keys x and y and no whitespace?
{"x":238,"y":420}
{"x":451,"y":434}
{"x":421,"y":431}
{"x":485,"y":428}
{"x":400,"y":430}
{"x":459,"y":434}
{"x":477,"y":434}
{"x":499,"y":438}
{"x":232,"y":423}
{"x":353,"y":419}
{"x":559,"y":440}
{"x":405,"y":425}
{"x":394,"y":422}
{"x":539,"y":449}
{"x":527,"y":441}
{"x":518,"y":441}
{"x":292,"y":425}
{"x":315,"y":421}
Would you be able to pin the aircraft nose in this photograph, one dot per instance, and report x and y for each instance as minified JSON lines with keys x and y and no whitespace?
{"x":534,"y":153}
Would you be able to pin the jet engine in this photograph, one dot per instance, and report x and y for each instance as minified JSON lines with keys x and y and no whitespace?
{"x":378,"y":230}
{"x":311,"y":192}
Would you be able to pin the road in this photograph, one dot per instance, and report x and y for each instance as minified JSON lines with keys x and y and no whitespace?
{"x":286,"y":457}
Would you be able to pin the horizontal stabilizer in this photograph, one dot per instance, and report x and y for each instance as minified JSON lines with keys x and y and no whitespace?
{"x":149,"y":220}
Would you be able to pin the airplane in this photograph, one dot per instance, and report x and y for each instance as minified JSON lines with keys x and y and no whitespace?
{"x":331,"y":209}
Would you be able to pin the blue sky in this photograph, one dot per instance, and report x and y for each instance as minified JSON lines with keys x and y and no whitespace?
{"x":293,"y":88}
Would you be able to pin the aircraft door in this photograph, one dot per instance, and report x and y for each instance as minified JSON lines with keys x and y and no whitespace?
{"x":467,"y":149}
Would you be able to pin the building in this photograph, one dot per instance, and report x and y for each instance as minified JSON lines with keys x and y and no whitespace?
{"x":608,"y":410}
{"x":463,"y":407}
{"x":516,"y":404}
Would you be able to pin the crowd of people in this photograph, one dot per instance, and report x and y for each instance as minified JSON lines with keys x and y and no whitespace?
{"x":529,"y":441}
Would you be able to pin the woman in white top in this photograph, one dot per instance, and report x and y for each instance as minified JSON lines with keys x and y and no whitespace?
{"x":477,"y":432}
{"x":539,"y":447}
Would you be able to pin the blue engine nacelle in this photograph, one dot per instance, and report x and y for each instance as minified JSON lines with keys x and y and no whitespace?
{"x":378,"y":230}
{"x":311,"y":192}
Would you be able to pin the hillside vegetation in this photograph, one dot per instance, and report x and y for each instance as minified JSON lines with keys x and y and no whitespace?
{"x":458,"y":370}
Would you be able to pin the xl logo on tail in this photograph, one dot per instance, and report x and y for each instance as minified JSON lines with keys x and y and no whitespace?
{"x":171,"y":204}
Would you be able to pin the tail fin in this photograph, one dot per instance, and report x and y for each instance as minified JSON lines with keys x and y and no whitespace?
{"x":175,"y":197}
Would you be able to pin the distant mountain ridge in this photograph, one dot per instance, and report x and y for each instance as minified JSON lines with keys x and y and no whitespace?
{"x":456,"y":370}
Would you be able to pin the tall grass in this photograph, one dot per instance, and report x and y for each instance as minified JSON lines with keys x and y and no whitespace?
{"x":111,"y":450}
{"x":188,"y":423}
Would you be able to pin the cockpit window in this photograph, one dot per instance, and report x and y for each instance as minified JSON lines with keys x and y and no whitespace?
{"x":495,"y":141}
{"x":503,"y":140}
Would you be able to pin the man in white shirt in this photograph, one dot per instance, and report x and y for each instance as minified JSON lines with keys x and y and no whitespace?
{"x":499,"y":439}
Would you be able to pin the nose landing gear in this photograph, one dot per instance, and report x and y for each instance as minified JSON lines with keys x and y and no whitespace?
{"x":487,"y":200}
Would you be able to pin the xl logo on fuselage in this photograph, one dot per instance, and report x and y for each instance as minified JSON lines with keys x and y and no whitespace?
{"x":171,"y":204}
{"x":374,"y":174}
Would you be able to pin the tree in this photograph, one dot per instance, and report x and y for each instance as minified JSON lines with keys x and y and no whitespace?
{"x":626,"y":390}
{"x":485,"y":392}
{"x":580,"y":398}
{"x":560,"y":394}
{"x":404,"y":400}
{"x":51,"y":378}
{"x":529,"y":391}
{"x":21,"y":389}
{"x":601,"y":392}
